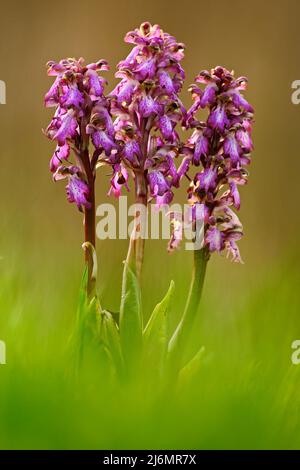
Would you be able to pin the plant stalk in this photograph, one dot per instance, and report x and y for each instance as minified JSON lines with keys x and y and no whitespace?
{"x":89,"y":221}
{"x":90,"y":237}
{"x":140,"y":221}
{"x":178,"y":342}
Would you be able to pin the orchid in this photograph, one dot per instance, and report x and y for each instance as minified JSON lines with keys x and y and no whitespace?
{"x":147,"y":109}
{"x":134,"y":131}
{"x":81,"y":111}
{"x":220,"y":147}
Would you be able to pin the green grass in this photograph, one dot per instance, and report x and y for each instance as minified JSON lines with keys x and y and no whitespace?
{"x":244,"y":395}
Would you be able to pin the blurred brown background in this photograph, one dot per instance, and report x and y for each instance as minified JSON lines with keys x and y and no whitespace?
{"x":257,"y":39}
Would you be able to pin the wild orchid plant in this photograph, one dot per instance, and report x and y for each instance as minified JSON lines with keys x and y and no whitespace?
{"x":134,"y":130}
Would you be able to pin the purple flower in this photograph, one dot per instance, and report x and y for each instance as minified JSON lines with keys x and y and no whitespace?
{"x":146,"y":69}
{"x":124,"y":91}
{"x":183,"y":168}
{"x":166,"y":82}
{"x":67,"y":128}
{"x":201,"y":149}
{"x":132,"y":151}
{"x":145,"y":35}
{"x":102,"y":140}
{"x":207,"y":179}
{"x":52,"y":96}
{"x":166,"y":127}
{"x":118,"y":180}
{"x":235,"y":194}
{"x":148,"y":106}
{"x":209,"y":95}
{"x":72,"y":97}
{"x":170,"y":166}
{"x":244,"y":139}
{"x":232,"y":248}
{"x":96,"y":84}
{"x":130,"y":59}
{"x":61,"y":153}
{"x":158,"y":183}
{"x":214,"y":238}
{"x":165,"y":199}
{"x":101,"y":119}
{"x":239,"y":101}
{"x":218,"y":119}
{"x":232,"y":148}
{"x":78,"y":192}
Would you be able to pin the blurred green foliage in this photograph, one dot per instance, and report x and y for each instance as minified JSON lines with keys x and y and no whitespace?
{"x":245,"y":394}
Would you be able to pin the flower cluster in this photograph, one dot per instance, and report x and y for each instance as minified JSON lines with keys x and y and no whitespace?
{"x":220,"y":147}
{"x":134,"y":130}
{"x":147,"y":108}
{"x":81,"y":112}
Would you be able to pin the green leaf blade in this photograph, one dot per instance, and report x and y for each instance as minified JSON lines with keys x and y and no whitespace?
{"x":109,"y":335}
{"x":156,"y":333}
{"x":131,"y":324}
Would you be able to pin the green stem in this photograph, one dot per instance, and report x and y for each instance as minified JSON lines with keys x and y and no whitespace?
{"x":89,"y":220}
{"x":139,"y":241}
{"x":178,"y":342}
{"x":90,"y":237}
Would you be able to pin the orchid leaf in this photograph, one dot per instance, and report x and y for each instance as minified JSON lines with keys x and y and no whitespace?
{"x":156,"y":332}
{"x":191,"y":369}
{"x":109,"y":335}
{"x":130,"y":318}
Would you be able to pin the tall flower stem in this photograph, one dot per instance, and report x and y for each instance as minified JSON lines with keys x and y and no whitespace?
{"x":89,"y":237}
{"x":89,"y":224}
{"x":178,"y":342}
{"x":140,"y":220}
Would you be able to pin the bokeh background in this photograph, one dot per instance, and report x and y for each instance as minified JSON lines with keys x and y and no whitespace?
{"x":250,"y":312}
